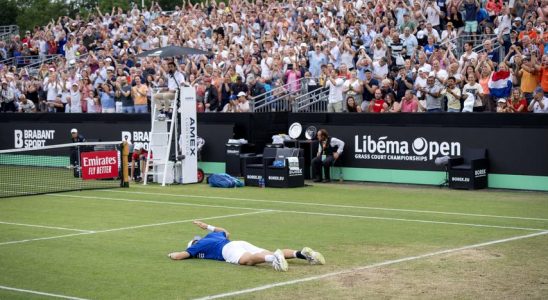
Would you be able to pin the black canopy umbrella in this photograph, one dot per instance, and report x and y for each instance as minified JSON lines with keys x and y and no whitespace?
{"x":172,"y":51}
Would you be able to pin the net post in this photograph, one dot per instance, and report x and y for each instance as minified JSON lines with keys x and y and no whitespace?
{"x":125,"y":165}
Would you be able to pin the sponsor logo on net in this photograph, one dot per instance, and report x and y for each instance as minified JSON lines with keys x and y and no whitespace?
{"x":419,"y":149}
{"x":32,"y":138}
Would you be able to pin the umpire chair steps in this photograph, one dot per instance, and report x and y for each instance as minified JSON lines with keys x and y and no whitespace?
{"x":162,"y":131}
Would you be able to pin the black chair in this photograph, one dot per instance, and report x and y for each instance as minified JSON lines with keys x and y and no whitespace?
{"x":255,"y":167}
{"x":470,"y":170}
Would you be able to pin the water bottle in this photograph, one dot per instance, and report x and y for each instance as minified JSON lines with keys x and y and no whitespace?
{"x":261,"y":182}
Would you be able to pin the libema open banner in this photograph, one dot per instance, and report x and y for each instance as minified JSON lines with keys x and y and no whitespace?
{"x":510,"y":150}
{"x":99,"y":164}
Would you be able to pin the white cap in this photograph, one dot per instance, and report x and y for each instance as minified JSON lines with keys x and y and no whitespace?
{"x":74,"y":130}
{"x":333,"y":40}
{"x":242,"y":94}
{"x":431,"y":74}
{"x":138,"y":146}
{"x":304,"y":45}
{"x":501,"y":100}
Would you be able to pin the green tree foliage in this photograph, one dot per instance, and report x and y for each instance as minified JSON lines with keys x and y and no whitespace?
{"x":39,"y":12}
{"x":8,"y":12}
{"x":29,"y":13}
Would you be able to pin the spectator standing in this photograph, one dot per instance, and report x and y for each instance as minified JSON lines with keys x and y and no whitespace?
{"x":475,"y":90}
{"x":453,"y":94}
{"x":211,"y":96}
{"x":433,"y":94}
{"x":370,"y":84}
{"x":123,"y":92}
{"x":539,"y":103}
{"x":106,"y":97}
{"x":409,"y":103}
{"x":517,"y":102}
{"x":335,"y":98}
{"x":243,"y":103}
{"x":74,"y":99}
{"x":377,"y":105}
{"x":7,"y":98}
{"x":471,"y":8}
{"x":139,"y":95}
{"x":53,"y":89}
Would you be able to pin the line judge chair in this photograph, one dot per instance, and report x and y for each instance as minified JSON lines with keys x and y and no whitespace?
{"x":470,"y":170}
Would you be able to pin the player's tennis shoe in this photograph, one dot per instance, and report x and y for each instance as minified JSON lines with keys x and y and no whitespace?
{"x":279,"y":263}
{"x":313,"y":257}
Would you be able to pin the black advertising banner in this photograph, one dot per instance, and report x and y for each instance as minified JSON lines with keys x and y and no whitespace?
{"x":515,"y":151}
{"x":517,"y":144}
{"x":16,"y":135}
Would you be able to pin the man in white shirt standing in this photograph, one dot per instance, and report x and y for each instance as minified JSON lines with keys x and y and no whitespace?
{"x":335,"y":98}
{"x":468,"y":54}
{"x":433,"y":14}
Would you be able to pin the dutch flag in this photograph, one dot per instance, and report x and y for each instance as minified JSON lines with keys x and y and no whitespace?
{"x":500,"y":84}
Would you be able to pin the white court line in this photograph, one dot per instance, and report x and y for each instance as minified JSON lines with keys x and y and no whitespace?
{"x":153,"y":201}
{"x":330,"y":205}
{"x":47,"y":227}
{"x":45,"y":238}
{"x":372,"y":266}
{"x":39,"y":293}
{"x":307,"y":213}
{"x":132,"y":227}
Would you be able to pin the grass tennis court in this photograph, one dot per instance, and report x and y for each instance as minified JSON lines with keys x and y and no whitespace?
{"x":380,"y":241}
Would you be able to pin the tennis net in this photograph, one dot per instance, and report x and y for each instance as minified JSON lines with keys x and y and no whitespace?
{"x":60,"y":168}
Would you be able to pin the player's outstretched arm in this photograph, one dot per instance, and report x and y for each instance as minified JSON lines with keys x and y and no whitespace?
{"x":211,"y":228}
{"x":179,"y":255}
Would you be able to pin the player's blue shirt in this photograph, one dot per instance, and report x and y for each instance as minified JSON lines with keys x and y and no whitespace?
{"x":209,"y":247}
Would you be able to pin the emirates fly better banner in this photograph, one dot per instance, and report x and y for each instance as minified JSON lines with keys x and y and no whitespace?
{"x":99,"y":164}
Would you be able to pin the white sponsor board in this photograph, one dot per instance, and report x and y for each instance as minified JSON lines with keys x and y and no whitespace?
{"x":189,"y":135}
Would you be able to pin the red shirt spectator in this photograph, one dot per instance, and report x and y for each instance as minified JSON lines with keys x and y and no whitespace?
{"x":409,"y":103}
{"x":518,"y":106}
{"x":377,"y":106}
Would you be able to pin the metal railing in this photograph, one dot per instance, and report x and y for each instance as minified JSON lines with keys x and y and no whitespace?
{"x":280,"y":98}
{"x":7,"y":31}
{"x":313,"y":101}
{"x":26,"y":61}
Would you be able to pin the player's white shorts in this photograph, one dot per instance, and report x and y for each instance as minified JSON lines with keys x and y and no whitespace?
{"x":233,"y":251}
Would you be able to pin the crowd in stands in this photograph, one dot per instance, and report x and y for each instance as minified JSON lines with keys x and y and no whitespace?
{"x":371,"y":55}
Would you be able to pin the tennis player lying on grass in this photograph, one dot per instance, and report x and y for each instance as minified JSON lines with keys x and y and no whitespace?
{"x":217,"y":246}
